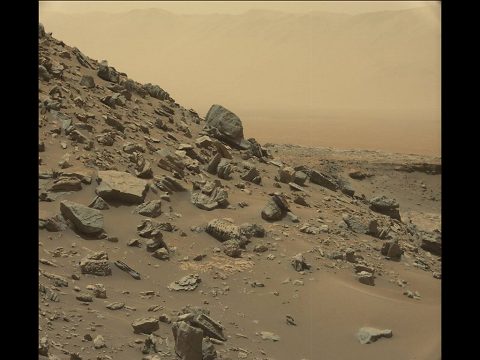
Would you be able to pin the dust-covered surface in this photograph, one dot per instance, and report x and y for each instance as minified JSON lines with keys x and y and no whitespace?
{"x":357,"y":267}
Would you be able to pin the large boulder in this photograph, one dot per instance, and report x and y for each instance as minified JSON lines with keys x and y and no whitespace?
{"x":121,"y":186}
{"x":86,"y":220}
{"x":228,"y":126}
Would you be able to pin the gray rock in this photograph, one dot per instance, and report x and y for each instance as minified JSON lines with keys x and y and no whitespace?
{"x":43,"y":73}
{"x":324,"y":180}
{"x":223,"y":230}
{"x":432,"y":243}
{"x":108,"y":73}
{"x":355,"y":224}
{"x":167,"y":183}
{"x":298,"y":262}
{"x":213,"y":164}
{"x":300,"y":178}
{"x":367,"y":335}
{"x":224,"y":169}
{"x":366,"y":278}
{"x":188,"y":341}
{"x":385,"y":206}
{"x":252,"y":230}
{"x":87,"y":81}
{"x":151,"y":208}
{"x":114,"y":122}
{"x":86,"y":220}
{"x":99,"y":204}
{"x":228,"y":125}
{"x":272,"y":212}
{"x":145,"y":325}
{"x":217,"y":198}
{"x":121,"y":186}
{"x":285,"y":175}
{"x":208,"y":350}
{"x":186,"y":283}
{"x":252,"y":175}
{"x":392,"y":250}
{"x":65,"y":184}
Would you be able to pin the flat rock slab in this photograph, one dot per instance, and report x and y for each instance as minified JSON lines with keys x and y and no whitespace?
{"x":86,"y":220}
{"x":145,"y":325}
{"x":187,"y":283}
{"x":121,"y":186}
{"x":367,"y":335}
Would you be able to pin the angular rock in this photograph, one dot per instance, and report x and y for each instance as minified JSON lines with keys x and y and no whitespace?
{"x":228,"y":126}
{"x":151,"y":208}
{"x":210,"y":327}
{"x":145,"y":325}
{"x":169,"y":184}
{"x":217,"y":198}
{"x":213,"y":164}
{"x":324,"y":180}
{"x":66,"y":184}
{"x":224,"y":169}
{"x":186,"y":283}
{"x":385,"y":206}
{"x":251,"y":175}
{"x":121,"y":186}
{"x":432,"y":244}
{"x":392,"y":250}
{"x":188,"y":341}
{"x":114,"y":122}
{"x":87,"y":81}
{"x":208,"y":350}
{"x":86,"y":220}
{"x":300,"y":178}
{"x":99,"y":204}
{"x":108,"y":73}
{"x":272,"y":212}
{"x":285,"y":175}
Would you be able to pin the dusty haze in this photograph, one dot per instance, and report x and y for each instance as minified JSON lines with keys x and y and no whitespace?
{"x":320,"y":78}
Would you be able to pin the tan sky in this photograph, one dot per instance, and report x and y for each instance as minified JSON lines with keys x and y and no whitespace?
{"x":231,"y":7}
{"x":311,"y":78}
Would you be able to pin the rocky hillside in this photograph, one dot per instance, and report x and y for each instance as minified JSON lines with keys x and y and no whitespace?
{"x":164,"y":235}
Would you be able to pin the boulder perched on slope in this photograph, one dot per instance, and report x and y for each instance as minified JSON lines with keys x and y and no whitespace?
{"x":228,"y":126}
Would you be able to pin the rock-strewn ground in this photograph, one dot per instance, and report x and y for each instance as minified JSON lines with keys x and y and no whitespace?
{"x":134,"y":265}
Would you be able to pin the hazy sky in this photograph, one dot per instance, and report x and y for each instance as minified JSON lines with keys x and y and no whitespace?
{"x":231,"y":7}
